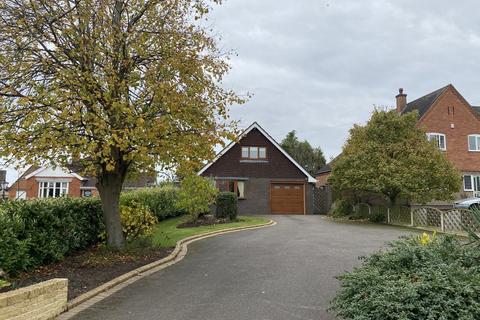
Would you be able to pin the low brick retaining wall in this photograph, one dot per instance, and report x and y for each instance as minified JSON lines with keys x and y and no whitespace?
{"x":44,"y":300}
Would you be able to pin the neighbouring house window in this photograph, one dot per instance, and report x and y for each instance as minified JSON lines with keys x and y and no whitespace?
{"x":254,"y":153}
{"x":439,"y":138}
{"x":21,"y":194}
{"x":474,"y":142}
{"x":472,"y":183}
{"x":467,"y":183}
{"x":235,"y":186}
{"x":86,"y":193}
{"x":52,"y":189}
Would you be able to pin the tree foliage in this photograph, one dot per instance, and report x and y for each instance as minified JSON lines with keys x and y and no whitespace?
{"x":312,"y":159}
{"x":391,"y":155}
{"x":114,"y":84}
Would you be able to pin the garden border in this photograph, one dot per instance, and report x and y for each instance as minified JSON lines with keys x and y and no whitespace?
{"x":99,"y":293}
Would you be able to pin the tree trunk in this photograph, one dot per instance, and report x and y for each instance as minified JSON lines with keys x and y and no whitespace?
{"x":109,"y":186}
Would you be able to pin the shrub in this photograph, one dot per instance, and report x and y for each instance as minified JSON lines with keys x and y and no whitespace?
{"x":197,"y":194}
{"x":38,"y":232}
{"x":226,"y":205}
{"x":377,"y":216}
{"x":161,"y":200}
{"x":342,"y":208}
{"x":137,"y":220}
{"x":418,"y":278}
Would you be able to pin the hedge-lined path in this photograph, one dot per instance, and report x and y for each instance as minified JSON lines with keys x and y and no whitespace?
{"x":283,"y":272}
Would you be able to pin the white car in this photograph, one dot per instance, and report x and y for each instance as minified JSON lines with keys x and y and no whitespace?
{"x":467,"y":203}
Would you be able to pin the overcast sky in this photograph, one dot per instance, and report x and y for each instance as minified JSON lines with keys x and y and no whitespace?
{"x":318,"y":66}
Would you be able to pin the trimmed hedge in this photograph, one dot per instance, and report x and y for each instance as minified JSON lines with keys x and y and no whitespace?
{"x":226,"y":206}
{"x":161,"y":201}
{"x":39,"y":232}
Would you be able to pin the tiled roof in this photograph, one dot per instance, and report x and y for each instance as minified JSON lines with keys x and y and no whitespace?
{"x":424,"y":103}
{"x":325,"y":169}
{"x":477,"y":109}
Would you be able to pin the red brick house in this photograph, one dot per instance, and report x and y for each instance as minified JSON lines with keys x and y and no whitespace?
{"x":49,"y":182}
{"x":263,"y":175}
{"x":454,"y":123}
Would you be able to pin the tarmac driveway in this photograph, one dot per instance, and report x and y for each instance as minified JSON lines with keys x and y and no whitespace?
{"x":281,"y":273}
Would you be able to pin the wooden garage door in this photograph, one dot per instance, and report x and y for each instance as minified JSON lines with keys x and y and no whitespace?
{"x":286,"y":198}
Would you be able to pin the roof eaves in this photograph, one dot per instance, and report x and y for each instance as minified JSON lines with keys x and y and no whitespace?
{"x":255,"y":125}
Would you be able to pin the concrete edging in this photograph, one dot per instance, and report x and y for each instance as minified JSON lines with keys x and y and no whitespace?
{"x":178,"y":254}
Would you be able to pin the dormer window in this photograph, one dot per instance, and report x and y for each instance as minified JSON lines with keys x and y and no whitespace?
{"x":439,"y":138}
{"x":254,"y":153}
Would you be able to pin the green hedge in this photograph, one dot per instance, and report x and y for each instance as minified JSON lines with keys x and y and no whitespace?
{"x":417,"y":278}
{"x":161,"y":201}
{"x":226,"y":205}
{"x":39,"y":232}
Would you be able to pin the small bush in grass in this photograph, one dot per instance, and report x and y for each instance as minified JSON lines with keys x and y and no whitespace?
{"x":196,"y":196}
{"x":226,"y":206}
{"x":160,"y":200}
{"x":137,"y":220}
{"x":421,"y":277}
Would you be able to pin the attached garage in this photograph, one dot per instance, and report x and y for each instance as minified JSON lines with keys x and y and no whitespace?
{"x":266,"y":179}
{"x":287,"y":198}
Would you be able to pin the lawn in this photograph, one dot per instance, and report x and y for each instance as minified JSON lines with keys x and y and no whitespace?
{"x":167,"y":234}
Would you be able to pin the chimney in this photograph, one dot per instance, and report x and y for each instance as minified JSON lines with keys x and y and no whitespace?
{"x":401,"y":100}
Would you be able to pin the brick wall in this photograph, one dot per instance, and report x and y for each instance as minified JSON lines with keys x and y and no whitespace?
{"x":322,"y":179}
{"x":44,"y":300}
{"x":439,"y":119}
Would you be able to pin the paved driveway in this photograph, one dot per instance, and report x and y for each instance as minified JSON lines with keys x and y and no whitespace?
{"x":283,"y":272}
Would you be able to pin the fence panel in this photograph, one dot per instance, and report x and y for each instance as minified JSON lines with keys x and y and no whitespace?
{"x":322,"y":200}
{"x":427,"y":217}
{"x":400,"y":215}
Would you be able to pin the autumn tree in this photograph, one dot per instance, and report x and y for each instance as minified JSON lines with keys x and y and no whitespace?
{"x":116,"y":85}
{"x":312,"y":159}
{"x":391,"y":156}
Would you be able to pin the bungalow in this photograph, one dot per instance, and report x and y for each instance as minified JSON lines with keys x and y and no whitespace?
{"x":50,"y":182}
{"x":266,"y":179}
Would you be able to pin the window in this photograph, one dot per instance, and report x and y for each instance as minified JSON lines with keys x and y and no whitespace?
{"x":474,"y":142}
{"x":467,"y":183}
{"x":245,"y":153}
{"x":241,"y":189}
{"x":87,"y":193}
{"x":52,"y":189}
{"x":471,"y":183}
{"x":237,"y":187}
{"x":254,"y":153}
{"x":439,"y":138}
{"x":21,"y":194}
{"x":262,"y":153}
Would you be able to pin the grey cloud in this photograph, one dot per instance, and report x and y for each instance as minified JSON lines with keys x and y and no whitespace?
{"x":319,"y":66}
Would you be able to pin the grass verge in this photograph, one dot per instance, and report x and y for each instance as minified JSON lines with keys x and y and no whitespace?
{"x":167,"y":234}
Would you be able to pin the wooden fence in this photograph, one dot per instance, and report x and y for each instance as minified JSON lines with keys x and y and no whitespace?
{"x":453,"y":220}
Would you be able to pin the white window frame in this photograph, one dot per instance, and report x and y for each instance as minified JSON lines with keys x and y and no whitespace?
{"x":45,"y":185}
{"x":477,"y":136}
{"x":436,"y":136}
{"x":471,"y":182}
